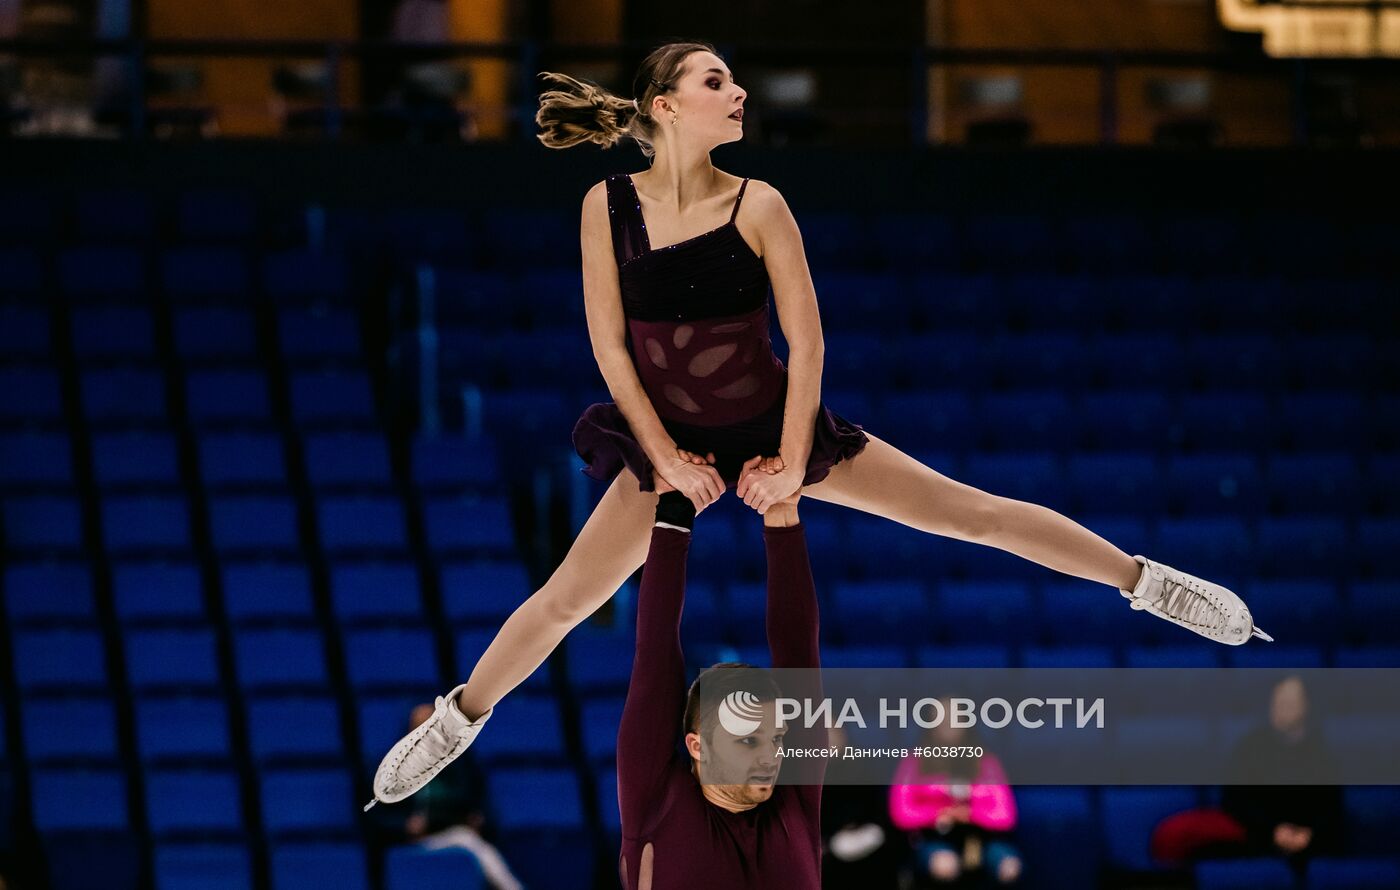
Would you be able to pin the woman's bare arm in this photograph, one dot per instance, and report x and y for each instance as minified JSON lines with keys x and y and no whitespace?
{"x":607,"y":327}
{"x":798,"y":316}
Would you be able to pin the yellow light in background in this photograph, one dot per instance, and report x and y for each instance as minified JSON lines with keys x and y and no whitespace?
{"x":1290,"y":31}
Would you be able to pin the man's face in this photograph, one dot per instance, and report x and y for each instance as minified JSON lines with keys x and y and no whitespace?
{"x":743,"y":767}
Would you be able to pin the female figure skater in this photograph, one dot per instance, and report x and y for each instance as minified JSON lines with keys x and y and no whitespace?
{"x":676,"y":282}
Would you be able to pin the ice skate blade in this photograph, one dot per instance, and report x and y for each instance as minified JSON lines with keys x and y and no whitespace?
{"x":370,"y":804}
{"x":1261,"y":635}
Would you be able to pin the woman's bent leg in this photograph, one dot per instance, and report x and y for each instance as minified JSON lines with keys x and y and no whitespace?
{"x":610,"y":547}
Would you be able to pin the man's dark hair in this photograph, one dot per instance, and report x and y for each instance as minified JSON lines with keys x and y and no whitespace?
{"x":716,"y":682}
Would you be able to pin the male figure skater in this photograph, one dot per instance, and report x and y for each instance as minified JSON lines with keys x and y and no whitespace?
{"x":681,"y":828}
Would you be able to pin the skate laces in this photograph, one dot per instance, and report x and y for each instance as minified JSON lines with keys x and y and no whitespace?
{"x":1188,"y":602}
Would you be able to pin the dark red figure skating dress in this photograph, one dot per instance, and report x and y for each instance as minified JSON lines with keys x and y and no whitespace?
{"x":697,"y":329}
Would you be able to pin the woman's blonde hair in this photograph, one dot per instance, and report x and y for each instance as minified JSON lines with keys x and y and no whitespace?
{"x":578,"y":111}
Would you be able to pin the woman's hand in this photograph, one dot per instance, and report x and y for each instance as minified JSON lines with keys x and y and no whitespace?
{"x":765,"y":481}
{"x":692,"y":475}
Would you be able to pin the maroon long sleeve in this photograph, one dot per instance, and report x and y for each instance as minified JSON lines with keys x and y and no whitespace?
{"x":696,"y":844}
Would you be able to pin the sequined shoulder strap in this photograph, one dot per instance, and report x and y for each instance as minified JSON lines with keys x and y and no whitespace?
{"x":625,"y":219}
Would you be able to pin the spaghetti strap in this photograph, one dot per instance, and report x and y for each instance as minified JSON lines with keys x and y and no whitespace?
{"x":735,"y":215}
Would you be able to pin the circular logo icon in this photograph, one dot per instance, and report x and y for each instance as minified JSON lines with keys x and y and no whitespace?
{"x":739,"y":713}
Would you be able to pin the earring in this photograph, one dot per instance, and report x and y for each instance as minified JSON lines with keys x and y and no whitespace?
{"x":674,"y":118}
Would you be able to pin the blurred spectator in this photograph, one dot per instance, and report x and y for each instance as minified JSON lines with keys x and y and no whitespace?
{"x":958,"y":809}
{"x":427,"y":90}
{"x":1293,"y":821}
{"x":861,"y":849}
{"x":449,"y":811}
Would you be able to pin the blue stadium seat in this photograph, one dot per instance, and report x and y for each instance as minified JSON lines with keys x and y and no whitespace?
{"x":1372,"y":610}
{"x":1367,"y":657}
{"x":146,"y":459}
{"x":865,"y":656}
{"x":1335,"y":360}
{"x":1175,"y":738}
{"x":216,"y":215}
{"x":1035,"y":476}
{"x":1067,"y":657}
{"x":469,"y":524}
{"x":1327,"y":873}
{"x":1051,"y":821}
{"x":1115,"y":481}
{"x":103,"y":273}
{"x":115,"y":215}
{"x":1311,"y":545}
{"x":332,"y":398}
{"x":157,"y":591}
{"x":124,"y":395}
{"x":526,"y":729}
{"x":203,"y":866}
{"x":304,"y":801}
{"x":183,"y":659}
{"x":984,"y":611}
{"x":483,"y":591}
{"x":606,"y":780}
{"x":231,"y":459}
{"x":930,"y":418}
{"x":48,"y":730}
{"x":1026,"y":419}
{"x":1372,"y":812}
{"x":415,"y":868}
{"x":373,"y":592}
{"x":456,"y":462}
{"x":205,"y":273}
{"x":600,"y":661}
{"x":1370,"y":739}
{"x":215,"y":333}
{"x":1121,"y":420}
{"x":1010,"y":241}
{"x":1234,"y":420}
{"x":227,"y":397}
{"x":1171,"y":656}
{"x":856,"y":356}
{"x":1025,"y":361}
{"x":1323,"y":421}
{"x":38,"y":592}
{"x":390,"y":659}
{"x":42,"y":523}
{"x":137,"y":523}
{"x":77,"y":799}
{"x":29,"y":395}
{"x":61,"y":660}
{"x":598,"y":722}
{"x":962,"y":655}
{"x":1275,"y":655}
{"x":361,"y":523}
{"x":1126,"y":361}
{"x":1212,"y":547}
{"x":193,"y":802}
{"x":468,"y":647}
{"x":1298,"y":609}
{"x":347,"y":459}
{"x":342,"y":866}
{"x":1201,"y":243}
{"x":1373,"y":541}
{"x":22,"y":270}
{"x":279,"y":659}
{"x":1075,"y":611}
{"x":253,"y":524}
{"x":1230,"y":360}
{"x":1244,"y":874}
{"x":268,"y":591}
{"x":318,"y":736}
{"x":1215,"y":484}
{"x":1315,"y":483}
{"x":539,"y":799}
{"x":111,"y":332}
{"x":880,"y":609}
{"x":29,"y":215}
{"x":308,"y":335}
{"x":1128,"y":815}
{"x":24,"y":331}
{"x":183,"y":728}
{"x":302,"y":276}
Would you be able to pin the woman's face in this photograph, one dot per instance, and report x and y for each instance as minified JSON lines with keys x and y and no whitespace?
{"x":704,"y":98}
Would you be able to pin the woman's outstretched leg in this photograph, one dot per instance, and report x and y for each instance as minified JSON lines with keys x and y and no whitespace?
{"x":610,"y":547}
{"x":887,"y":482}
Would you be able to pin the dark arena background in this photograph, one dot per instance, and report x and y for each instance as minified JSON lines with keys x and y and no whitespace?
{"x":292,"y":340}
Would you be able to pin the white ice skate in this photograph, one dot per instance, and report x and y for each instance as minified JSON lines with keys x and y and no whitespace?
{"x":423,"y":753}
{"x":1197,"y":605}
